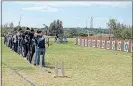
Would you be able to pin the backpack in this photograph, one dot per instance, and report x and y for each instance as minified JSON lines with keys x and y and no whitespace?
{"x":27,"y":37}
{"x":20,"y":39}
{"x":14,"y":38}
{"x":23,"y":39}
{"x":41,"y":42}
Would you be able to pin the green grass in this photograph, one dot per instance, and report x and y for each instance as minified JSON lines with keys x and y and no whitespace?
{"x":84,"y":67}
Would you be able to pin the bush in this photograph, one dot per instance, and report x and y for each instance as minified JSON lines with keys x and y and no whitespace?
{"x":126,"y":34}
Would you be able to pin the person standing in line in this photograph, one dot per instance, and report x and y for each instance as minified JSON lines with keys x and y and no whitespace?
{"x":40,"y":49}
{"x":23,"y":43}
{"x":11,"y":42}
{"x":4,"y":38}
{"x":15,"y":38}
{"x":16,"y":35}
{"x":32,"y":45}
{"x":35,"y":41}
{"x":26,"y":43}
{"x":20,"y":42}
{"x":8,"y":38}
{"x":8,"y":41}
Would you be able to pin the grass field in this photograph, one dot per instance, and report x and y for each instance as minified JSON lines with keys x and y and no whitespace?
{"x":84,"y":67}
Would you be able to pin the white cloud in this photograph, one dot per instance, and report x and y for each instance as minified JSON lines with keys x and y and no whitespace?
{"x":53,"y":6}
{"x":30,"y":2}
{"x":90,"y":3}
{"x":79,"y":3}
{"x":41,"y":8}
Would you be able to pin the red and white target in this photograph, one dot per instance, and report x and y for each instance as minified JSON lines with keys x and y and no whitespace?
{"x":103,"y":44}
{"x":119,"y":45}
{"x":113,"y":45}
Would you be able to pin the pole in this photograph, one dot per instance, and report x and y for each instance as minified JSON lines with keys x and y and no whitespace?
{"x":18,"y":40}
{"x":109,"y":33}
{"x":62,"y":68}
{"x":56,"y":69}
{"x":19,"y":21}
{"x":47,"y":29}
{"x":86,"y":24}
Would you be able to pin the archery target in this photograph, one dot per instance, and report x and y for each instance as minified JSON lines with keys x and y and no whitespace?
{"x":75,"y":41}
{"x":98,"y":43}
{"x":113,"y":45}
{"x":89,"y":43}
{"x":126,"y":45}
{"x":78,"y":41}
{"x":93,"y":43}
{"x":103,"y":44}
{"x":108,"y":45}
{"x":85,"y":42}
{"x":119,"y":45}
{"x":131,"y":47}
{"x":82,"y":42}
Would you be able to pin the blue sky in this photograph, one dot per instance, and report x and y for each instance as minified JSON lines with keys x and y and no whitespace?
{"x":73,"y":14}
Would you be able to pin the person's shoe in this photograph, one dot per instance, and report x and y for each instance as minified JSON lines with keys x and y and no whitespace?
{"x":43,"y":65}
{"x":37,"y":64}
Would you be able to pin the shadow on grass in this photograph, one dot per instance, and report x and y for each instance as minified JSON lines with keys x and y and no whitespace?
{"x":23,"y":68}
{"x":51,"y":67}
{"x":48,"y":65}
{"x":62,"y":77}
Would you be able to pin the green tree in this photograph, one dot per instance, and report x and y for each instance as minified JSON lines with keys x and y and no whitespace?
{"x":112,"y":26}
{"x":56,"y":28}
{"x":126,"y":33}
{"x":73,"y":32}
{"x":119,"y":30}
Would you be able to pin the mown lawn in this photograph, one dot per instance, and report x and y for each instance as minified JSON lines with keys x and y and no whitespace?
{"x":84,"y":67}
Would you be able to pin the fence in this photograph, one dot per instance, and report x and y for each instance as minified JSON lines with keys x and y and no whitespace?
{"x":105,"y":43}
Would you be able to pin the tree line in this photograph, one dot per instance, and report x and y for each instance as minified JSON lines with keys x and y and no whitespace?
{"x":119,"y":30}
{"x":115,"y":28}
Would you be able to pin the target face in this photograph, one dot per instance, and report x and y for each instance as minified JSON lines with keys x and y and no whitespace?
{"x":113,"y":45}
{"x":108,"y":45}
{"x":82,"y":42}
{"x":126,"y":46}
{"x":85,"y":42}
{"x":119,"y":45}
{"x":78,"y":41}
{"x":103,"y":44}
{"x":93,"y":43}
{"x":89,"y":43}
{"x":98,"y":43}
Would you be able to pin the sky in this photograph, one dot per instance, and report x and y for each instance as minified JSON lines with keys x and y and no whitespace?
{"x":71,"y":13}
